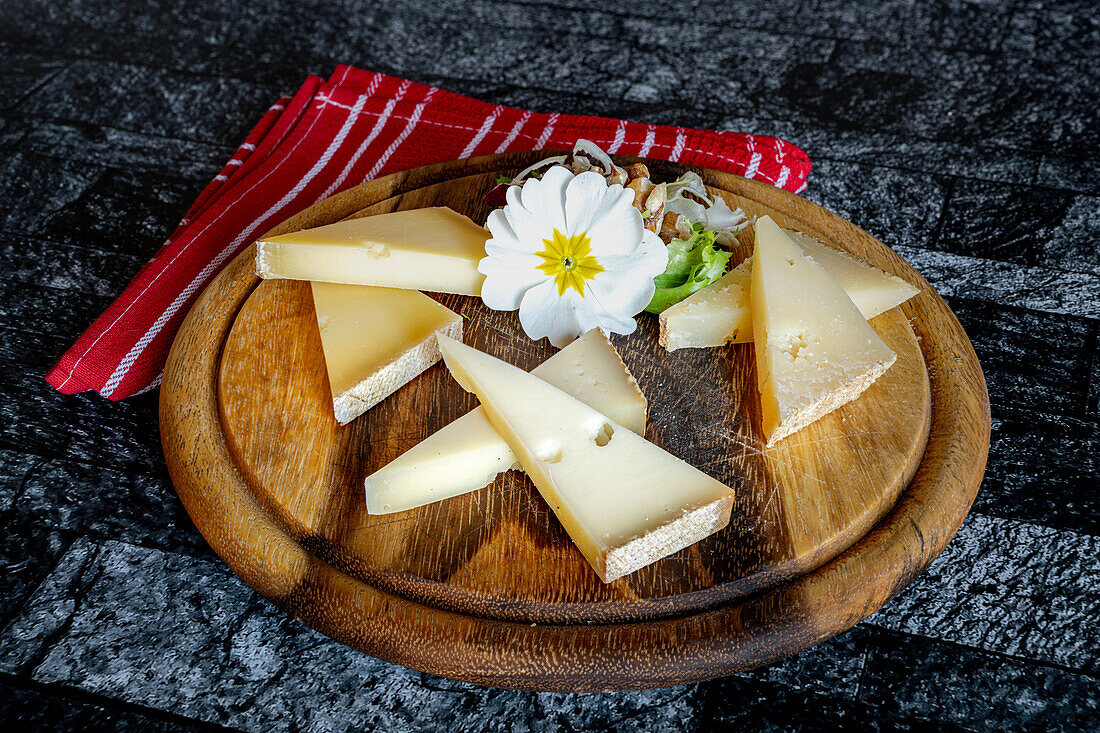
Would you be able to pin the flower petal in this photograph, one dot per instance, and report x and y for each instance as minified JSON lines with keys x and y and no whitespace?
{"x":584,"y":201}
{"x":618,"y":227}
{"x":545,"y":198}
{"x":650,"y":258}
{"x":626,"y":285}
{"x":503,"y":235}
{"x":606,"y":319}
{"x":530,"y":228}
{"x":542,"y":312}
{"x":508,"y":276}
{"x":622,"y":294}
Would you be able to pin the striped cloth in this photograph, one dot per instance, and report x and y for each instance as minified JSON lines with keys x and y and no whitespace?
{"x":332,"y":135}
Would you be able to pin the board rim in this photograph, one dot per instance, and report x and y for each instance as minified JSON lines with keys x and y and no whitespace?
{"x":569,"y":657}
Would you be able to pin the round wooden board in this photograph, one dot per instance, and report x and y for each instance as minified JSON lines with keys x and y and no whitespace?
{"x":487,"y":587}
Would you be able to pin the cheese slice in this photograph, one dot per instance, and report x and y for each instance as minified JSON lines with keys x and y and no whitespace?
{"x":721,"y":313}
{"x":468,"y":454}
{"x":433,"y":249}
{"x":718,"y":314}
{"x":624,"y":502}
{"x":815,"y":350}
{"x":376,"y":340}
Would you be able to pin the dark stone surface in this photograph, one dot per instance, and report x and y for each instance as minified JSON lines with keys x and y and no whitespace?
{"x":25,"y":71}
{"x":1042,"y":469}
{"x":30,"y":348}
{"x":212,"y":650}
{"x":43,"y":707}
{"x":871,"y":679}
{"x":30,"y":307}
{"x":34,"y":187}
{"x":26,"y":399}
{"x":114,"y":148}
{"x":124,"y":211}
{"x":965,"y":134}
{"x":897,"y":206}
{"x":67,"y":268}
{"x":945,"y":686}
{"x":1010,"y":587}
{"x":1025,"y":224}
{"x":1075,"y":174}
{"x":139,"y":98}
{"x":35,"y":419}
{"x":1094,"y":383}
{"x":985,"y":100}
{"x":1008,"y":341}
{"x":57,"y":500}
{"x":1032,"y":288}
{"x":123,"y":437}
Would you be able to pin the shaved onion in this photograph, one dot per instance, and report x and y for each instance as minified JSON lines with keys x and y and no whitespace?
{"x":715,"y":214}
{"x":724,"y":220}
{"x":580,"y":164}
{"x":721,"y":216}
{"x":690,"y":182}
{"x":690,"y":209}
{"x":553,"y":160}
{"x":591,"y":148}
{"x":678,"y":203}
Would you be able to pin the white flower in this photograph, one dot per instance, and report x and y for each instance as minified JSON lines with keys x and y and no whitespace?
{"x":570,"y":252}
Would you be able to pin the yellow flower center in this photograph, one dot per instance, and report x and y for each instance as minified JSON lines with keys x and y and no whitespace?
{"x":569,"y":261}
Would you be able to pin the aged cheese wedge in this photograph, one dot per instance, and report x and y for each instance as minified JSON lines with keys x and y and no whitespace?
{"x":376,"y":340}
{"x":468,"y":454}
{"x":624,"y":502}
{"x":815,"y":350}
{"x":718,"y":314}
{"x":721,"y":313}
{"x":433,"y":249}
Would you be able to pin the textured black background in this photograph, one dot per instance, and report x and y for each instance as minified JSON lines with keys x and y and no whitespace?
{"x":964,"y":134}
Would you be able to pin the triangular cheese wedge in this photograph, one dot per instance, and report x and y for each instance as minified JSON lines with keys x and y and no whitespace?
{"x":624,"y":502}
{"x":718,"y":314}
{"x":434,"y":249}
{"x":815,"y":351}
{"x":872,"y":290}
{"x":376,"y":340}
{"x":468,"y":454}
{"x":721,"y":313}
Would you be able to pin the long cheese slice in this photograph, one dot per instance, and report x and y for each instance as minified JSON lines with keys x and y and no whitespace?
{"x":815,"y":350}
{"x":376,"y":340}
{"x":624,"y":502}
{"x":432,"y":249}
{"x":469,"y":453}
{"x":721,"y":313}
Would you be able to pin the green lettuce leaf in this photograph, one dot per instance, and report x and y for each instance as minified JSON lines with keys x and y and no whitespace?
{"x":693,"y":263}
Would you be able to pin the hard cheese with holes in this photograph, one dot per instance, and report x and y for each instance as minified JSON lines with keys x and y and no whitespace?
{"x":469,"y":453}
{"x":433,"y":249}
{"x":624,"y":502}
{"x":814,"y":349}
{"x":722,"y":312}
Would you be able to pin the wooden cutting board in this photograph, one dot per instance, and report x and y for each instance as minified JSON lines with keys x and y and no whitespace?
{"x":487,"y":587}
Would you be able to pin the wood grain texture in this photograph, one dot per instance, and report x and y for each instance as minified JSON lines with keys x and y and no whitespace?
{"x":487,"y":587}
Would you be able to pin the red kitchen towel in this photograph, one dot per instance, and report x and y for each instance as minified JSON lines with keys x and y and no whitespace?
{"x":330,"y":136}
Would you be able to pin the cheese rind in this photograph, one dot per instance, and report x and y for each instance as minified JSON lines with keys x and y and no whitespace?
{"x":376,"y":340}
{"x":433,"y":249}
{"x":624,"y":502}
{"x":721,"y":313}
{"x":814,"y":349}
{"x":468,"y":454}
